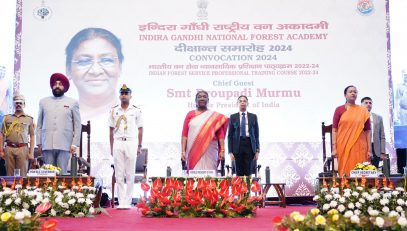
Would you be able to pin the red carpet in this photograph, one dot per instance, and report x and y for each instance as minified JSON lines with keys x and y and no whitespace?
{"x":131,"y":220}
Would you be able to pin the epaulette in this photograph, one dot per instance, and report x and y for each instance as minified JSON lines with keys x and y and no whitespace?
{"x":136,"y":106}
{"x":115,"y":106}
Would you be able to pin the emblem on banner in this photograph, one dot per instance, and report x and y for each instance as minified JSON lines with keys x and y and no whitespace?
{"x":202,"y":13}
{"x":42,"y":12}
{"x":365,"y":7}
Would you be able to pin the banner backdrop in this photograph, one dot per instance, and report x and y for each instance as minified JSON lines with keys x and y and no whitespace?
{"x":292,"y":59}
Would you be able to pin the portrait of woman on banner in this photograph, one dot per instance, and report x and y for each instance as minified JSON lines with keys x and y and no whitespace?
{"x":203,"y":136}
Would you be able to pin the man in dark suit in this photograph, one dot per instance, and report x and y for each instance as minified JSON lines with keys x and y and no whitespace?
{"x":243,"y":138}
{"x":378,"y":139}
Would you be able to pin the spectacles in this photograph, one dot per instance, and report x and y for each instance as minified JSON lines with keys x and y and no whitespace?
{"x":17,"y":103}
{"x":125,"y":93}
{"x":87,"y":63}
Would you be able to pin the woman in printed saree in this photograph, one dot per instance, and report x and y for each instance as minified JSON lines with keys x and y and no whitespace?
{"x":350,"y":133}
{"x":203,"y":136}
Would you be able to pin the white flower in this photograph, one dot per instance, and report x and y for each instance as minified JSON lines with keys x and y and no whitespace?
{"x":357,"y":212}
{"x":89,"y":202}
{"x":75,"y":187}
{"x":81,"y":200}
{"x":58,"y":199}
{"x":351,"y":206}
{"x":379,"y":222}
{"x":337,"y":196}
{"x":394,"y":214}
{"x":373,"y":213}
{"x":387,"y":195}
{"x":80,"y":214}
{"x":347,"y":190}
{"x":71,"y":201}
{"x":91,"y":196}
{"x":402,"y":221}
{"x":362,"y":201}
{"x":376,"y":195}
{"x":79,"y":195}
{"x":360,"y":188}
{"x":34,"y":202}
{"x":1,"y":210}
{"x":346,"y":194}
{"x":400,"y":189}
{"x":335,"y":190}
{"x":326,"y":207}
{"x":348,"y":214}
{"x":355,"y":194}
{"x":46,"y":200}
{"x":324,"y":190}
{"x":385,"y":209}
{"x":19,"y":216}
{"x":71,"y":194}
{"x":355,"y":219}
{"x":384,"y":201}
{"x":341,"y":208}
{"x":333,"y":204}
{"x":399,"y":209}
{"x":316,"y":197}
{"x":400,"y":202}
{"x":26,"y":213}
{"x":91,"y":210}
{"x":26,"y":205}
{"x":18,"y":186}
{"x":358,"y":205}
{"x":328,"y":197}
{"x":46,"y":194}
{"x":342,"y":200}
{"x":8,"y":201}
{"x":365,"y":194}
{"x":65,"y":205}
{"x":67,"y":212}
{"x":369,"y":198}
{"x":53,"y":212}
{"x":18,"y":201}
{"x":395,"y":193}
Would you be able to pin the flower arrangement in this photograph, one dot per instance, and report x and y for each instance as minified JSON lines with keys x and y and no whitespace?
{"x":210,"y":197}
{"x":23,"y":220}
{"x":76,"y":201}
{"x":365,"y":166}
{"x":51,"y":167}
{"x":354,"y":206}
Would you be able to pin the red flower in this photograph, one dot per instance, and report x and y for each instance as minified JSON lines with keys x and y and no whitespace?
{"x":255,"y":186}
{"x":201,"y":184}
{"x":175,"y":204}
{"x":254,"y":209}
{"x":42,"y":208}
{"x":224,"y":184}
{"x":236,"y":180}
{"x":231,"y":198}
{"x":166,"y":191}
{"x":178,"y":185}
{"x":169,"y":182}
{"x":243,"y":188}
{"x":236,"y":190}
{"x":210,"y":210}
{"x":49,"y":225}
{"x":169,"y":213}
{"x":177,"y":197}
{"x":185,"y":208}
{"x":157,"y":209}
{"x":224,"y":192}
{"x":211,"y":184}
{"x":145,"y":210}
{"x":277,"y":220}
{"x":157,"y":184}
{"x":190,"y":185}
{"x":259,"y":197}
{"x":251,"y":199}
{"x":141,"y":205}
{"x":145,"y":186}
{"x":224,"y":211}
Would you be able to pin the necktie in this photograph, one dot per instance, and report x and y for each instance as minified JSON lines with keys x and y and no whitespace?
{"x":243,"y":125}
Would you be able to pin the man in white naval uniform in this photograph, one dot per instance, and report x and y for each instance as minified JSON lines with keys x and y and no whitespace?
{"x":59,"y":124}
{"x":126,"y":136}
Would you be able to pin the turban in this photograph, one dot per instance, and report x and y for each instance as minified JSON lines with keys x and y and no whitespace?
{"x":58,"y":76}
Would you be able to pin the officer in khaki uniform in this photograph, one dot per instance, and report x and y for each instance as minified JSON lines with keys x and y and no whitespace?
{"x":126,"y":136}
{"x":17,"y":131}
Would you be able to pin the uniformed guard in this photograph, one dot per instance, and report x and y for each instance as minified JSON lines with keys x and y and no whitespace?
{"x":18,"y":134}
{"x":126,"y":136}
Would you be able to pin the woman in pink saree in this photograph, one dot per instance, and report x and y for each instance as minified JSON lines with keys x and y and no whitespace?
{"x":203,"y":136}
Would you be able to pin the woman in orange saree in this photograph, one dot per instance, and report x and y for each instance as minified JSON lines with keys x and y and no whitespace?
{"x":203,"y":136}
{"x":350,"y":133}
